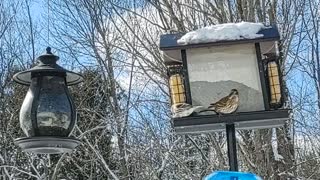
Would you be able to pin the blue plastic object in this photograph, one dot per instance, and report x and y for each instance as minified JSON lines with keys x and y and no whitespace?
{"x":231,"y":175}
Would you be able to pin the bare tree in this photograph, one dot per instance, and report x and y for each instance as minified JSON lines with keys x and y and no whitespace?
{"x":124,"y":118}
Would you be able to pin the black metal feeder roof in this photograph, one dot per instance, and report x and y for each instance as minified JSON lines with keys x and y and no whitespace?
{"x":169,"y":41}
{"x":47,"y":65}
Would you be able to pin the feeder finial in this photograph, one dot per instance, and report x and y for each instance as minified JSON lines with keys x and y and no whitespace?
{"x":48,"y":49}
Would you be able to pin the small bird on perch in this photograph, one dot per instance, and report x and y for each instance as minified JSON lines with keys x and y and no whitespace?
{"x":184,"y":109}
{"x":226,"y":105}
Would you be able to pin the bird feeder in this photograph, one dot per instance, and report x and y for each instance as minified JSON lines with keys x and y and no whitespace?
{"x":226,"y":84}
{"x":47,"y":115}
{"x":210,"y":70}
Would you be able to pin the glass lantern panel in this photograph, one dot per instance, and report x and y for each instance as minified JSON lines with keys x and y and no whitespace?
{"x":215,"y":71}
{"x":25,"y":111}
{"x":54,"y":110}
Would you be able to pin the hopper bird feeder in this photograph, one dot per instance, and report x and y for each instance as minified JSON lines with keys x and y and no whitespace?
{"x":47,"y":115}
{"x":226,"y":84}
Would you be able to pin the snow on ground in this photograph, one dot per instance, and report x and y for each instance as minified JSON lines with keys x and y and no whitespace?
{"x":277,"y":156}
{"x":228,"y":31}
{"x":274,"y":144}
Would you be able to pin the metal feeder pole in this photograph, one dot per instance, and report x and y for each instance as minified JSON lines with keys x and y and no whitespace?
{"x":232,"y":147}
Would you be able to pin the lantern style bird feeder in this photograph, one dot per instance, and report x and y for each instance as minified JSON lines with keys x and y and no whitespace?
{"x":47,"y":115}
{"x":203,"y":72}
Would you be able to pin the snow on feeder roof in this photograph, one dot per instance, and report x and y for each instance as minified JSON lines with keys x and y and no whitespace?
{"x":221,"y":34}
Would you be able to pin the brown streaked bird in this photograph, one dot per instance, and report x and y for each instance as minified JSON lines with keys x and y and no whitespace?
{"x":226,"y":105}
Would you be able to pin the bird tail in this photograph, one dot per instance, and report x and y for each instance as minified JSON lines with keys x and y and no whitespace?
{"x":211,"y":106}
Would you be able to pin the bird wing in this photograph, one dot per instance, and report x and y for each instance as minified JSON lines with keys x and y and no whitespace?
{"x":222,"y":102}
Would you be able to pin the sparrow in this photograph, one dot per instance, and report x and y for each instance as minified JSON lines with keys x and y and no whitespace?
{"x":184,"y":109}
{"x":226,"y":105}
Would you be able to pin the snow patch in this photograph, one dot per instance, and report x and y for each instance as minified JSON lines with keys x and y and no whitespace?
{"x":219,"y":32}
{"x":274,"y":144}
{"x":277,"y":156}
{"x":114,"y":141}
